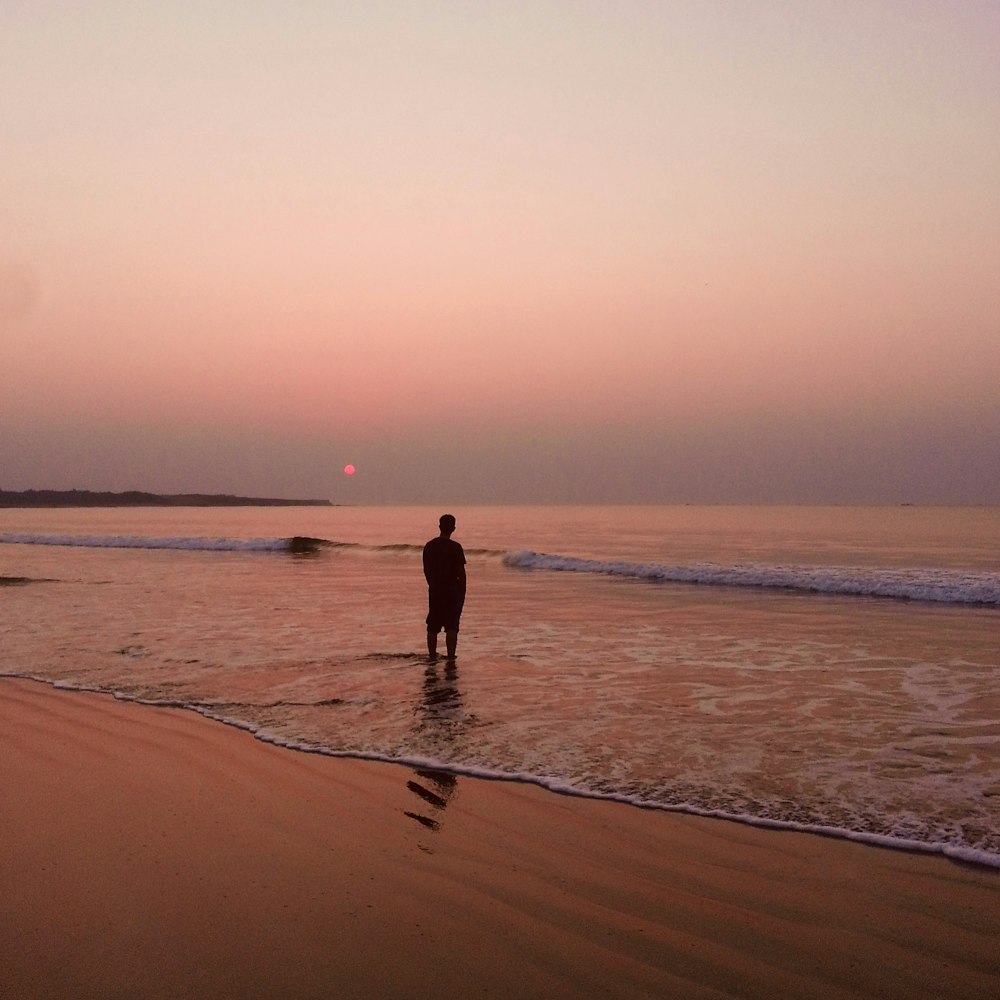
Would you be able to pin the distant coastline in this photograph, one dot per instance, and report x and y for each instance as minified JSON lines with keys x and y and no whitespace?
{"x":136,"y":498}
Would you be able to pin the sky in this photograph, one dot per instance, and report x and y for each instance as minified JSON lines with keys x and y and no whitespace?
{"x":560,"y":251}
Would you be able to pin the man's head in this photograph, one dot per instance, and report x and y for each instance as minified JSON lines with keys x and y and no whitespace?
{"x":447,"y":524}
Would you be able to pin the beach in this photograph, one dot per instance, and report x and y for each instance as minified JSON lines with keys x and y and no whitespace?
{"x":149,"y":852}
{"x":827,"y":670}
{"x":682,"y":315}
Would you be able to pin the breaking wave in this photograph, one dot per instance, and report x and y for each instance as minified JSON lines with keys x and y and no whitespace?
{"x":943,"y":586}
{"x":939,"y":585}
{"x":298,"y":543}
{"x":295,"y":544}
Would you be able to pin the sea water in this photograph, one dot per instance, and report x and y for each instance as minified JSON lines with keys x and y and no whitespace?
{"x":828,"y":669}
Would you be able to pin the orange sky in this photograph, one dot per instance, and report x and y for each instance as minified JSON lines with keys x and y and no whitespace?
{"x":550,"y":251}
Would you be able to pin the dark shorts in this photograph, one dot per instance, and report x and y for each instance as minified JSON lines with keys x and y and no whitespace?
{"x":445,"y":609}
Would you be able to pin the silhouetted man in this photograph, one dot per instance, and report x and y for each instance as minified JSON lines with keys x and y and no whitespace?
{"x":444,"y":570}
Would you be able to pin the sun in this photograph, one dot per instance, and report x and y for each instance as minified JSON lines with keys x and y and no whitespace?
{"x":349,"y":470}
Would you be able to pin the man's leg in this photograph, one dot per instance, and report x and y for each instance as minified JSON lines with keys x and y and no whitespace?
{"x":432,"y":641}
{"x":451,"y":643}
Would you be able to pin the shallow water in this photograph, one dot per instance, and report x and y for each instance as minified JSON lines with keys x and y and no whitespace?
{"x":868,"y":716}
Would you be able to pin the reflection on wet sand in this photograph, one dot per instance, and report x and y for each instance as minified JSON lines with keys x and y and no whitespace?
{"x":444,"y":784}
{"x":441,"y":700}
{"x":440,"y":709}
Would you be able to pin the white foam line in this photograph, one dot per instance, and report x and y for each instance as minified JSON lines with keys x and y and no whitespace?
{"x":967,"y":855}
{"x":940,"y":585}
{"x":143,"y":542}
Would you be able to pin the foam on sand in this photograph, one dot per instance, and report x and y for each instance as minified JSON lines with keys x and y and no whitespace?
{"x":347,"y":880}
{"x":940,"y":585}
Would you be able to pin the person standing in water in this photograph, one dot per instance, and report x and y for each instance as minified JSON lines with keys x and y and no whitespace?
{"x":444,"y":570}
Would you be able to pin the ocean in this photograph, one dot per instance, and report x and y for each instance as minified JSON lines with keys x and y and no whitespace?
{"x":827,"y":669}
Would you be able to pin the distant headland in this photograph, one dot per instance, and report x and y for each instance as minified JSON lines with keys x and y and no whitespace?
{"x":136,"y":498}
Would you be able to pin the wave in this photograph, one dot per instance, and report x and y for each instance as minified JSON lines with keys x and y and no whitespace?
{"x":966,"y":853}
{"x":230,"y":713}
{"x":945,"y":586}
{"x":894,"y":841}
{"x":297,"y":543}
{"x":939,"y":585}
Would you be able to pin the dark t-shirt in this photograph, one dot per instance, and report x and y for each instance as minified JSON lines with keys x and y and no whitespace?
{"x":444,"y":562}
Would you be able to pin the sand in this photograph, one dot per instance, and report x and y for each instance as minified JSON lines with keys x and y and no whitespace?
{"x":149,"y":852}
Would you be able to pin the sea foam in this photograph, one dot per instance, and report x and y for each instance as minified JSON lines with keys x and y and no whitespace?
{"x":145,"y":542}
{"x":940,"y":585}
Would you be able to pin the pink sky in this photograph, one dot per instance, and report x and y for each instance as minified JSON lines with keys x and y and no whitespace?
{"x":548,"y":251}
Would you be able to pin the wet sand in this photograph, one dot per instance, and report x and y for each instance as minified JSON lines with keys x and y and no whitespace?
{"x":151,"y":853}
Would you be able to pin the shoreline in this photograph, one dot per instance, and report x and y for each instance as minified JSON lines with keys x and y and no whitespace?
{"x":975,"y":858}
{"x":155,"y":852}
{"x":972,"y":857}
